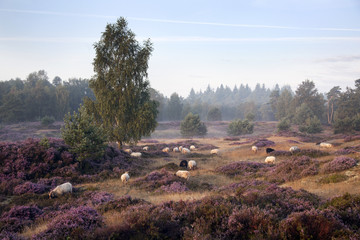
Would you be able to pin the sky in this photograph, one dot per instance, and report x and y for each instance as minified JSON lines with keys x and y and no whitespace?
{"x":196,"y":42}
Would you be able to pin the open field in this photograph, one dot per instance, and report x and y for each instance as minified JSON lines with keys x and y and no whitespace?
{"x":234,"y":181}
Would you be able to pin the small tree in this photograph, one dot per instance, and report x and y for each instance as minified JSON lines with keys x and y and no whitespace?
{"x":311,"y":125}
{"x":192,"y":126}
{"x":214,"y":114}
{"x":85,"y":138}
{"x":239,"y":127}
{"x":284,"y":125}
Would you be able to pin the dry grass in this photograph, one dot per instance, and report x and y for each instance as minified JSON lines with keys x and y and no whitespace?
{"x":32,"y":230}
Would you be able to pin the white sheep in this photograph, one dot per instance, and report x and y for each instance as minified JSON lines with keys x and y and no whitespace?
{"x":125,"y":177}
{"x":61,"y":189}
{"x":326,"y":145}
{"x":129,"y":151}
{"x":180,"y":148}
{"x":136,"y":154}
{"x":185,"y":150}
{"x":146,"y":148}
{"x":214,"y":151}
{"x":183,"y":174}
{"x":270,"y":159}
{"x":192,"y":147}
{"x":191,"y":164}
{"x":166,"y":150}
{"x":254,"y":149}
{"x":294,"y":149}
{"x":176,"y":149}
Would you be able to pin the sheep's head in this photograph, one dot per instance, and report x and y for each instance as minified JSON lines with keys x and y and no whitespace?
{"x":51,"y":195}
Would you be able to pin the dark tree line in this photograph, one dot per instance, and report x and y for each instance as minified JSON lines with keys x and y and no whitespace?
{"x":36,"y":97}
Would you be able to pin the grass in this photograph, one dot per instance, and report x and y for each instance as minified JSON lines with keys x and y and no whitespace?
{"x":333,"y":178}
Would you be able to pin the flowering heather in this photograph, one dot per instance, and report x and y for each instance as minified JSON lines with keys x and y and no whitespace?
{"x":281,"y":153}
{"x":18,"y":217}
{"x":263,"y":143}
{"x":5,"y":235}
{"x":175,"y":187}
{"x":100,"y":198}
{"x":311,"y":224}
{"x":231,"y":139}
{"x":29,"y":187}
{"x":352,"y":138}
{"x":292,"y":169}
{"x":243,"y":168}
{"x":344,"y":151}
{"x":121,"y":203}
{"x":311,"y":153}
{"x":339,"y":164}
{"x":240,"y":143}
{"x":75,"y":223}
{"x":156,"y":179}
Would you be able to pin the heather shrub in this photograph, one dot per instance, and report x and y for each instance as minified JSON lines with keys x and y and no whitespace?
{"x":100,"y":198}
{"x":313,"y":153}
{"x":339,"y":164}
{"x":243,"y":169}
{"x":121,"y":203}
{"x":281,"y":153}
{"x":292,"y":169}
{"x":75,"y":223}
{"x":352,"y":138}
{"x":347,"y":207}
{"x":175,"y":187}
{"x":311,"y":224}
{"x":344,"y":151}
{"x":263,"y":143}
{"x":156,"y":179}
{"x":252,"y":223}
{"x":29,"y":187}
{"x":5,"y":235}
{"x":18,"y":217}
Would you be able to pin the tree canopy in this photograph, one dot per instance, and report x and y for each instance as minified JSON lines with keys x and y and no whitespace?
{"x":120,"y":85}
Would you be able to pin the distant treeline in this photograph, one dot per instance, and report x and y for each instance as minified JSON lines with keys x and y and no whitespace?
{"x":37,"y":97}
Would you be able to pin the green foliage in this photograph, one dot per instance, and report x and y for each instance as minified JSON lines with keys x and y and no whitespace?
{"x":250,"y":117}
{"x":47,"y":120}
{"x":45,"y":143}
{"x":83,"y":135}
{"x":302,"y":113}
{"x":311,"y":125}
{"x":239,"y":127}
{"x":347,"y":124}
{"x":284,"y":125}
{"x":175,"y":107}
{"x":214,"y":114}
{"x":192,"y":126}
{"x":333,"y":178}
{"x":123,"y":103}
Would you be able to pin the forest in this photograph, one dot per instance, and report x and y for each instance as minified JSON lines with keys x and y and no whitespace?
{"x":37,"y":97}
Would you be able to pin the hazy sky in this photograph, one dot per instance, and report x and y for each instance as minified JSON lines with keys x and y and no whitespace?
{"x":196,"y":43}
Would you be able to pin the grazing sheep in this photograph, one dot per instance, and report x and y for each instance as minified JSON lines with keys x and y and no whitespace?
{"x":125,"y":177}
{"x":191,"y":164}
{"x":254,"y":149}
{"x":176,"y":149}
{"x":269,"y":150}
{"x":214,"y":151}
{"x":270,"y":159}
{"x":183,"y":174}
{"x":294,"y":149}
{"x":146,"y":148}
{"x":192,"y":147}
{"x":185,"y":150}
{"x":129,"y":151}
{"x":325,"y":145}
{"x":166,"y":149}
{"x":60,"y":190}
{"x":184,"y":164}
{"x":180,"y":148}
{"x":136,"y":154}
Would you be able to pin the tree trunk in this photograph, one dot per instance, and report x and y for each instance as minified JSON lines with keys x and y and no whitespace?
{"x":120,"y":144}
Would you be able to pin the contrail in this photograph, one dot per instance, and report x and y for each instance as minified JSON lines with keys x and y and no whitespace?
{"x":182,"y":22}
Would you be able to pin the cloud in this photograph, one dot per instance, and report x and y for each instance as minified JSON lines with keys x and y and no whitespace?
{"x":344,"y":58}
{"x":49,"y":40}
{"x":181,"y":21}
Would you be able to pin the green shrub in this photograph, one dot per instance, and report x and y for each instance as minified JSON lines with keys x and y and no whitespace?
{"x":239,"y":127}
{"x":85,"y":138}
{"x":311,"y":125}
{"x":192,"y":126}
{"x":333,"y":178}
{"x":284,"y":125}
{"x":214,"y":114}
{"x":47,"y":120}
{"x":343,"y":125}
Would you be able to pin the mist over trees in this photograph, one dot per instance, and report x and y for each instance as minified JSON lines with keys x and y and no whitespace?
{"x":37,"y":96}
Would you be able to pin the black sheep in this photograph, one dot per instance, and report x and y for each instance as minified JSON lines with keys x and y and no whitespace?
{"x":184,"y":164}
{"x":269,"y":150}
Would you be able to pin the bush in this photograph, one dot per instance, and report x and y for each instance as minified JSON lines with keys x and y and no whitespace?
{"x":343,"y":125}
{"x":192,"y":126}
{"x":340,"y":163}
{"x":239,"y":127}
{"x":47,"y":120}
{"x":243,"y":168}
{"x":284,"y":125}
{"x":83,"y":135}
{"x":311,"y":125}
{"x":264,"y":143}
{"x":214,"y":114}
